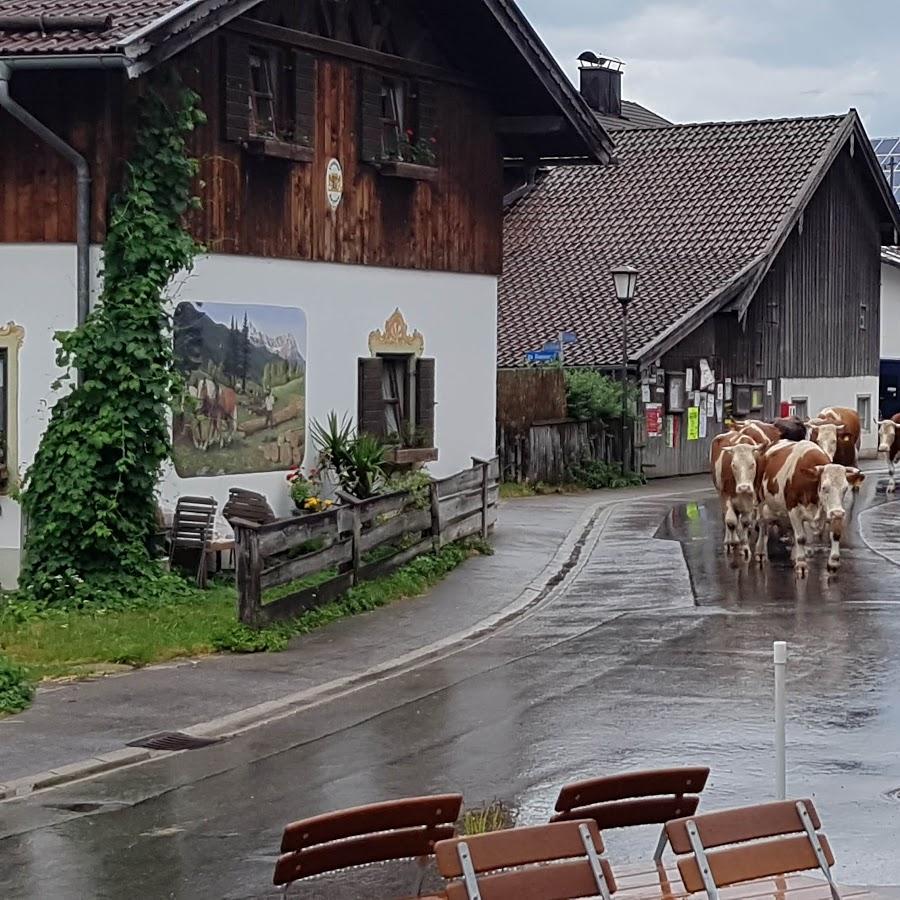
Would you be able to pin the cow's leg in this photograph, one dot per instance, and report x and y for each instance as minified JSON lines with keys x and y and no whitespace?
{"x":892,"y":484}
{"x":762,"y":534}
{"x":731,"y":525}
{"x":746,"y":529}
{"x":798,"y":524}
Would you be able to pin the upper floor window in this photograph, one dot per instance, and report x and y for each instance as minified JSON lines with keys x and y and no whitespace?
{"x":264,"y":92}
{"x":398,"y":120}
{"x":269,"y":98}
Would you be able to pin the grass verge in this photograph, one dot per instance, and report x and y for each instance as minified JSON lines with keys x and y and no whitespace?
{"x":512,"y":490}
{"x":61,"y":643}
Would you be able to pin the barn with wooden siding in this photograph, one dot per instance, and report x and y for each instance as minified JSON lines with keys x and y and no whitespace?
{"x":759,"y":248}
{"x":351,"y":174}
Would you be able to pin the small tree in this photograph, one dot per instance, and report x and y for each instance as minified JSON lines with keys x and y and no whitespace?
{"x":592,"y":395}
{"x":89,"y":495}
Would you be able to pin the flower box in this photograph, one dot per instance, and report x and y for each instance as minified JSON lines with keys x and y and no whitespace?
{"x":395,"y":168}
{"x":279,"y":149}
{"x":404,"y":456}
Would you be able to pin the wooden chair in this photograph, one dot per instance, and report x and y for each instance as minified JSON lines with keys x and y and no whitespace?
{"x":740,"y":845}
{"x":634,"y":798}
{"x":544,"y":862}
{"x":247,"y":505}
{"x":192,"y":529}
{"x":380,"y":832}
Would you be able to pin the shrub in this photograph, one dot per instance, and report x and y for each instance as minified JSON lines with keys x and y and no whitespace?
{"x":416,"y":481}
{"x":356,"y":459}
{"x":16,"y":690}
{"x":493,"y":816}
{"x":595,"y":475}
{"x":592,"y":395}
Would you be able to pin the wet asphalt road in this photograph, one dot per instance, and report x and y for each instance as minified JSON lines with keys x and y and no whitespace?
{"x":657,"y":653}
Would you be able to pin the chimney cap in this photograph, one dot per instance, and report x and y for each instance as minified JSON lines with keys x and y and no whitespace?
{"x":590,"y":60}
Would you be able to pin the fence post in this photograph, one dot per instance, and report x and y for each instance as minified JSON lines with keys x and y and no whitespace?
{"x":435,"y":516}
{"x":485,"y":480}
{"x":780,"y":668}
{"x":249,"y":592}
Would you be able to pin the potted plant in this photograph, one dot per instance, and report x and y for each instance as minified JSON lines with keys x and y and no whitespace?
{"x":305,"y":490}
{"x":357,"y":460}
{"x":415,"y":159}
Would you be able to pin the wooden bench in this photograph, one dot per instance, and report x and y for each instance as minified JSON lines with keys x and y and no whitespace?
{"x":379,"y":832}
{"x":634,"y":798}
{"x":559,"y":861}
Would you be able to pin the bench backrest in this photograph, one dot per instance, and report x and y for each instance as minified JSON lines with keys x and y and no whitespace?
{"x":249,"y":506}
{"x":193,"y":521}
{"x":555,"y":862}
{"x":633,"y":798}
{"x":396,"y":829}
{"x":739,"y":845}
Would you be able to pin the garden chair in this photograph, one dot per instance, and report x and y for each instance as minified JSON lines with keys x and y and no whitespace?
{"x":192,"y":529}
{"x":247,"y":505}
{"x":380,"y":832}
{"x":634,"y":798}
{"x":552,"y":862}
{"x":752,"y":843}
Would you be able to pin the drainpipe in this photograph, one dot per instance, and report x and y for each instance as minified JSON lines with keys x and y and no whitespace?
{"x":82,"y":170}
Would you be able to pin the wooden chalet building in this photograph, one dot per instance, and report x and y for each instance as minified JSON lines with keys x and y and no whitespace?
{"x":353,"y":177}
{"x":759,"y":251}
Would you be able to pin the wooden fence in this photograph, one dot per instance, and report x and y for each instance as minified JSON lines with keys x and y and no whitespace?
{"x":547,"y":451}
{"x":357,"y":541}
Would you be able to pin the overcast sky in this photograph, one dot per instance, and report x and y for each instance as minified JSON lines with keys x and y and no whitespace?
{"x":697,"y":60}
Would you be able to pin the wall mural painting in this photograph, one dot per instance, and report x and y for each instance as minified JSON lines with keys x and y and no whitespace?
{"x":244,"y":406}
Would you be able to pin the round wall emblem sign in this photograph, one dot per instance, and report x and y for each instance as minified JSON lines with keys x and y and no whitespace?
{"x":334,"y":183}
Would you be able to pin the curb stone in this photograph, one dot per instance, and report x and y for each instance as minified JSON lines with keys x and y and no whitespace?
{"x":570,"y":558}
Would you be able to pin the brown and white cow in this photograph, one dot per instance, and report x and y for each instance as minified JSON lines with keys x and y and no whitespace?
{"x":889,"y":445}
{"x":733,"y":461}
{"x":837,"y":430}
{"x":800,"y":486}
{"x":764,"y":433}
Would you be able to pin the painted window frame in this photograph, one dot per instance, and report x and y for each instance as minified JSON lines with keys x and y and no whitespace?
{"x":865,"y":420}
{"x":11,"y":339}
{"x":805,"y":402}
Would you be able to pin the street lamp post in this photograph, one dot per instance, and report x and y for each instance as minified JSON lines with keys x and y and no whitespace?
{"x":625,"y":279}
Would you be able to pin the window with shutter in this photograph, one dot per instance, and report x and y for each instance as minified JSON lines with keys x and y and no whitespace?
{"x":370,"y":116}
{"x":371,"y":407}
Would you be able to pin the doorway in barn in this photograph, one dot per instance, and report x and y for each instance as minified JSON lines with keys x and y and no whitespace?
{"x":889,"y":388}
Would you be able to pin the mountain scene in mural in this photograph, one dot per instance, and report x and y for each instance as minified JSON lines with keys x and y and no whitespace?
{"x":244,"y":401}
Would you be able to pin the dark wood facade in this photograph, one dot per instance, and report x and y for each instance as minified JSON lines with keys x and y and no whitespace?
{"x":264,"y":206}
{"x":815,"y":314}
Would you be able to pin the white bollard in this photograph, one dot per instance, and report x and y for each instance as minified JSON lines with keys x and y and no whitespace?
{"x":780,"y":669}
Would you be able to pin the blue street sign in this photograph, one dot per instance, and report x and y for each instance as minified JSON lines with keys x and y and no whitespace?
{"x":541,"y":356}
{"x":569,"y":337}
{"x":551,"y":347}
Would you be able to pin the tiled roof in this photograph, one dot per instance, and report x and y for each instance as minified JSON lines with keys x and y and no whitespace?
{"x":127,"y":17}
{"x":689,"y":206}
{"x":633,"y":116}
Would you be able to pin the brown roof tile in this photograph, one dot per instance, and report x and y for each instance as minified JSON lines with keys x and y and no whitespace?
{"x":633,"y":116}
{"x":690,"y":206}
{"x":127,"y":17}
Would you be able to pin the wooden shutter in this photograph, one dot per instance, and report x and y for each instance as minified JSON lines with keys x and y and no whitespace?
{"x":236,"y":80}
{"x":370,"y":115}
{"x":427,"y":124}
{"x":371,"y":414}
{"x":304,"y":98}
{"x":425,"y":400}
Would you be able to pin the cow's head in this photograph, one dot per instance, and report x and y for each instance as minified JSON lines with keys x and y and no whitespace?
{"x":743,"y":459}
{"x":834,"y":483}
{"x":825,"y":434}
{"x":887,"y":433}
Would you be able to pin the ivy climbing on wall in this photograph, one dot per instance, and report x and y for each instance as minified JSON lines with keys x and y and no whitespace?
{"x":89,"y":496}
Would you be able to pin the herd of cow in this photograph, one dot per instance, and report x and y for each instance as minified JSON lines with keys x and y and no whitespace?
{"x":794,"y":476}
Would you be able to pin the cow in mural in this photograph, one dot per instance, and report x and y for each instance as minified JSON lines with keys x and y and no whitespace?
{"x":734,"y":458}
{"x":837,"y":430}
{"x":801,"y":489}
{"x":889,"y":445}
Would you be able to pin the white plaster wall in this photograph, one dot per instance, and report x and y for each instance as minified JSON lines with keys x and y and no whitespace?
{"x":890,"y":312}
{"x":824,"y":392}
{"x":343,"y":303}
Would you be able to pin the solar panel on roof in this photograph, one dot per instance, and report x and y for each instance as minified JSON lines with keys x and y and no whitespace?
{"x":888,"y":152}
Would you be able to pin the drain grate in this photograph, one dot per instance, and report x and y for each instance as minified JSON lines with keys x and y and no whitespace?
{"x":172,"y":740}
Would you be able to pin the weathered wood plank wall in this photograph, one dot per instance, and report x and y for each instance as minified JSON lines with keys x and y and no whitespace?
{"x":264,"y":206}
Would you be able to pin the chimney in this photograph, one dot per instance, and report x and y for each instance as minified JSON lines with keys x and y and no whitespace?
{"x":601,"y":83}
